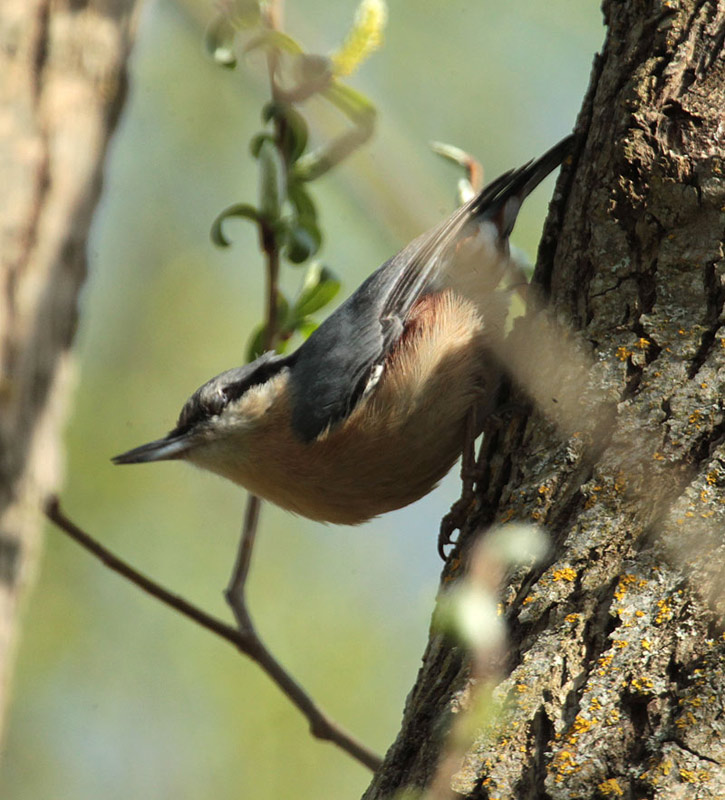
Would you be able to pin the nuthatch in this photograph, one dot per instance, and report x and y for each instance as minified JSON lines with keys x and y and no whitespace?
{"x":370,"y":412}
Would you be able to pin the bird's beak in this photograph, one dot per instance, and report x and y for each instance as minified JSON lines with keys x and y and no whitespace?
{"x":170,"y":447}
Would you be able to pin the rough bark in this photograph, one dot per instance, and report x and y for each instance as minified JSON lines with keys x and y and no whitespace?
{"x":62,"y":84}
{"x":615,"y":679}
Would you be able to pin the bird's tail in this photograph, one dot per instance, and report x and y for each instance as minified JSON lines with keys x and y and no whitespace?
{"x":501,"y":200}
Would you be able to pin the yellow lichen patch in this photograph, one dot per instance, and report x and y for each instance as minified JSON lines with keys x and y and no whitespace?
{"x":643,"y":343}
{"x":687,"y":720}
{"x":571,"y":618}
{"x":611,"y":788}
{"x":620,"y":482}
{"x":563,"y":764}
{"x":712,"y":476}
{"x":528,"y":600}
{"x":564,"y":574}
{"x":620,"y":644}
{"x":595,"y":704}
{"x":641,"y":685}
{"x":604,"y":663}
{"x":581,"y":725}
{"x":646,"y":644}
{"x":639,"y":613}
{"x":665,"y":613}
{"x":657,"y":456}
{"x":692,"y":776}
{"x":624,"y":582}
{"x":655,"y":769}
{"x":623,"y":353}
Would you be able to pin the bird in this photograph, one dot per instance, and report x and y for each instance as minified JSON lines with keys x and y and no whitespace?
{"x":370,"y":412}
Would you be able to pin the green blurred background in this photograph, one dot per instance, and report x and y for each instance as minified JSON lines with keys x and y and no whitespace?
{"x":115,"y":696}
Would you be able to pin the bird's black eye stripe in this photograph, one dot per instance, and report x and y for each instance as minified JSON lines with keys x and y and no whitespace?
{"x":234,"y":390}
{"x":212,"y":398}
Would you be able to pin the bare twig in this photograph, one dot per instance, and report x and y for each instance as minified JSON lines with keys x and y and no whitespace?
{"x":246,"y":641}
{"x":235,"y":594}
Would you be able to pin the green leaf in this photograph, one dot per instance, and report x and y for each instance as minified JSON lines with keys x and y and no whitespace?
{"x":244,"y":210}
{"x":306,"y":327}
{"x":294,"y":134}
{"x":283,"y":312}
{"x":352,"y":103}
{"x":276,"y":40}
{"x":318,"y":289}
{"x":255,"y":348}
{"x":271,"y":111}
{"x":302,"y":242}
{"x":257,"y":341}
{"x":298,"y":195}
{"x":293,"y":128}
{"x":271,"y":181}
{"x":312,"y":165}
{"x":304,"y":237}
{"x":361,"y":113}
{"x":219,"y":41}
{"x":255,"y":145}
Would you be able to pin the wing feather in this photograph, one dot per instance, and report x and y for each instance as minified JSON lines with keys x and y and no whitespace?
{"x":343,"y":359}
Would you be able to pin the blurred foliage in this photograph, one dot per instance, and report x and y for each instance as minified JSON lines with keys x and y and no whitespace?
{"x":286,"y":216}
{"x":116,"y":697}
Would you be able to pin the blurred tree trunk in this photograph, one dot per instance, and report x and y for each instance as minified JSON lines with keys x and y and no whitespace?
{"x":616,"y":669}
{"x":62,"y":85}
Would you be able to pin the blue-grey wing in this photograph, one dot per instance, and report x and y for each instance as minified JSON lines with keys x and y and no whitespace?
{"x":342,"y":360}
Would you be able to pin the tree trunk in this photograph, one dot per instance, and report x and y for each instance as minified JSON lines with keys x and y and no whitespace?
{"x":63,"y":68}
{"x":615,"y":679}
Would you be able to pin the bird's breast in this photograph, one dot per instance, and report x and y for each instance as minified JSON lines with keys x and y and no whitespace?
{"x":398,"y":442}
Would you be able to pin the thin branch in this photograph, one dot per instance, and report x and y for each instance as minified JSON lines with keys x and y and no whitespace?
{"x":235,"y":593}
{"x":246,"y":641}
